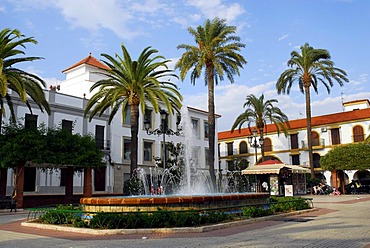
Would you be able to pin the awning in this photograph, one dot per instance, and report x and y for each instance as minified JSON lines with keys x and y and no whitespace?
{"x":273,"y":169}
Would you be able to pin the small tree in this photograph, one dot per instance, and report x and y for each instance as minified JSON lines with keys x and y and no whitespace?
{"x":347,"y":157}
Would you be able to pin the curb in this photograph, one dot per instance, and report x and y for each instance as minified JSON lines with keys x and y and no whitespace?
{"x":200,"y":229}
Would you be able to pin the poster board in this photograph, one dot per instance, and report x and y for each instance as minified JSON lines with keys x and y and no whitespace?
{"x":288,"y":190}
{"x":274,"y":185}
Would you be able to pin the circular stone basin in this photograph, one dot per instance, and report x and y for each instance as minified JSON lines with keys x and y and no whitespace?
{"x":172,"y":202}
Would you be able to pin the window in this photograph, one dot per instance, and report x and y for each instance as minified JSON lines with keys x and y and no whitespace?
{"x":195,"y":125}
{"x":294,"y":141}
{"x":126,"y":149}
{"x":30,"y":121}
{"x":99,"y":178}
{"x":295,"y":159}
{"x":230,"y":149}
{"x":358,"y":134}
{"x":167,"y":150}
{"x":148,"y":117}
{"x":335,"y":136}
{"x":206,"y":151}
{"x":127,"y":121}
{"x":315,"y":139}
{"x":219,"y":150}
{"x":267,"y":146}
{"x":195,"y":154}
{"x":243,"y":147}
{"x":99,"y":136}
{"x":230,"y":165}
{"x":148,"y":151}
{"x":206,"y":130}
{"x":316,"y":160}
{"x":178,"y":121}
{"x":67,"y":125}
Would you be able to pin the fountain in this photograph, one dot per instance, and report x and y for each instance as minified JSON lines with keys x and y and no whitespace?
{"x":194,"y":191}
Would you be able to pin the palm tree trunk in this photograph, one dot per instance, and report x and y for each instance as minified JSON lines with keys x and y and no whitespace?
{"x":211,"y":124}
{"x":309,"y":129}
{"x":134,"y":138}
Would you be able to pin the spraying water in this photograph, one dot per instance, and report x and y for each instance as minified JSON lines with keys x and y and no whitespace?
{"x":195,"y":180}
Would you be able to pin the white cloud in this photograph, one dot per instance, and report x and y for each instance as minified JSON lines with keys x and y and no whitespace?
{"x":2,"y":9}
{"x":283,"y":37}
{"x":94,"y":42}
{"x":215,"y":8}
{"x":149,"y":6}
{"x":108,"y":14}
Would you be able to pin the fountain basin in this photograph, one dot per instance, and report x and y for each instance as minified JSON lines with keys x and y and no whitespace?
{"x":172,"y":202}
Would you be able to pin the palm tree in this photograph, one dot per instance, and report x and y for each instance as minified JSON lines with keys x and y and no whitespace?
{"x":309,"y":68}
{"x":129,"y":85}
{"x":259,"y":112}
{"x":217,"y":52}
{"x":21,"y":82}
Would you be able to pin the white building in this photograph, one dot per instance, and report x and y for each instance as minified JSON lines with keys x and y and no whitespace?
{"x":67,"y":102}
{"x":350,"y":126}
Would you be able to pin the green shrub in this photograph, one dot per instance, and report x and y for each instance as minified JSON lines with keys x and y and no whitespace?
{"x":63,"y":215}
{"x":277,"y":205}
{"x":252,"y":212}
{"x":159,"y":219}
{"x":71,"y":215}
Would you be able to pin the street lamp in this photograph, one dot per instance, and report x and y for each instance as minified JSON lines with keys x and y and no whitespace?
{"x":252,"y":140}
{"x":162,"y":129}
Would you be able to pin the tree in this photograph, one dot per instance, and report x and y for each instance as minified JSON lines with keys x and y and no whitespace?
{"x":258,"y":112}
{"x":347,"y":157}
{"x":130,"y":84}
{"x":21,"y":82}
{"x":52,"y":148}
{"x":217,"y":53}
{"x":310,"y":68}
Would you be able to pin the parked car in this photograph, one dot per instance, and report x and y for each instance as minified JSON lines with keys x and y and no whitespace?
{"x":361,"y":186}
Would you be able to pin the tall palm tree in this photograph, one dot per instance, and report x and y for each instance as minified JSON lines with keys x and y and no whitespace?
{"x":217,"y":53}
{"x":128,"y":85}
{"x":310,"y":68}
{"x":258,"y":112}
{"x":21,"y":82}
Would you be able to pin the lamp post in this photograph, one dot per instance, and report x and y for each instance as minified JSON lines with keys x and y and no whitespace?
{"x":162,"y":129}
{"x":252,"y":140}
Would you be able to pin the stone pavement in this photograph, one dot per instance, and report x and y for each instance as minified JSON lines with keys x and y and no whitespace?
{"x":340,"y":221}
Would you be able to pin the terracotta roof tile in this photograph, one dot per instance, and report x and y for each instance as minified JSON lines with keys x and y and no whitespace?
{"x":89,"y":60}
{"x":335,"y":118}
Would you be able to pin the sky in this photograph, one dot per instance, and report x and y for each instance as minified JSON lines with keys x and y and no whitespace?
{"x":68,"y":30}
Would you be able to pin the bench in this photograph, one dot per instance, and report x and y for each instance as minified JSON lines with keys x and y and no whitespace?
{"x":7,"y":202}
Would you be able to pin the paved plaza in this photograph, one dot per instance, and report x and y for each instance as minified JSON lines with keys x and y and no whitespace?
{"x":338,"y":221}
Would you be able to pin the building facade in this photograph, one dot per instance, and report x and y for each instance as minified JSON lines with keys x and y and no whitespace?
{"x":350,"y":126}
{"x":67,"y":101}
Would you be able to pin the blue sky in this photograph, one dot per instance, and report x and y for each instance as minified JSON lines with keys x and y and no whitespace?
{"x":68,"y":30}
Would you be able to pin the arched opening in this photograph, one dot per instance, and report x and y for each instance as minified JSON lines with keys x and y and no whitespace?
{"x":267,"y":146}
{"x":315,"y":138}
{"x":358,"y":134}
{"x":243,"y":148}
{"x":316,"y":160}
